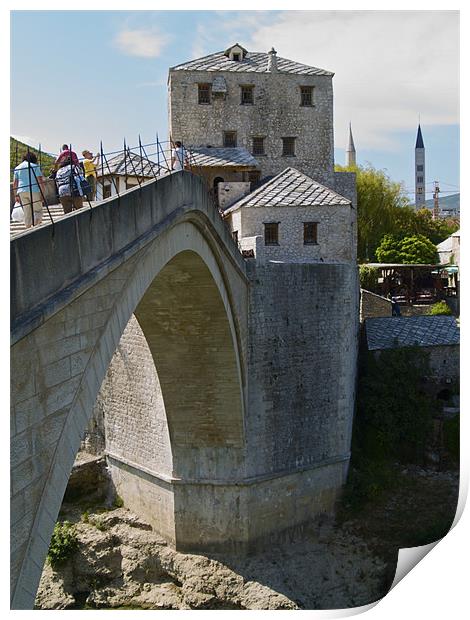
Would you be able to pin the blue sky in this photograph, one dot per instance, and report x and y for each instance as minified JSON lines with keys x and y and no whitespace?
{"x":82,"y":76}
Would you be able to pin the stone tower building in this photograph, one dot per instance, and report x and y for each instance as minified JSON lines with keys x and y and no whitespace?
{"x":351,"y":150}
{"x":420,"y":178}
{"x":279,"y":110}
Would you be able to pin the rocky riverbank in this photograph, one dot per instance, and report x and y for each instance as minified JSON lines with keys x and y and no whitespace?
{"x":121,"y":563}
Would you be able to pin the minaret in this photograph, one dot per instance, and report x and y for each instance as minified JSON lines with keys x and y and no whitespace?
{"x":350,"y":151}
{"x":420,"y":192}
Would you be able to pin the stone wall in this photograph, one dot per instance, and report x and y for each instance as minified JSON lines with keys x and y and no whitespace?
{"x":444,"y":363}
{"x":276,"y":113}
{"x":229,"y":193}
{"x":303,"y":335}
{"x":335,"y":235}
{"x":373,"y":305}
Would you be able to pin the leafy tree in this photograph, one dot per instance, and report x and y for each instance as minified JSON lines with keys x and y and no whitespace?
{"x":383,"y":209}
{"x":388,"y":250}
{"x":415,"y":249}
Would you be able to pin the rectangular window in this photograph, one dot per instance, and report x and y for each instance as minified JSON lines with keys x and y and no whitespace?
{"x":420,"y":190}
{"x":310,"y":233}
{"x":204,"y":93}
{"x":306,"y":96}
{"x":235,"y":235}
{"x":236,"y":57}
{"x":288,"y":147}
{"x":247,"y":95}
{"x":230,"y":139}
{"x":419,"y":168}
{"x":258,"y":146}
{"x":271,"y":233}
{"x":419,"y":179}
{"x":107,"y":191}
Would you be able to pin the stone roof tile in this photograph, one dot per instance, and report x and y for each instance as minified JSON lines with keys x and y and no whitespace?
{"x":291,"y":187}
{"x":210,"y":156}
{"x":253,"y":62}
{"x":421,"y":331}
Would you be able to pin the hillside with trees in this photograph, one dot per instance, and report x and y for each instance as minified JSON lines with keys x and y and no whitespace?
{"x":18,"y":150}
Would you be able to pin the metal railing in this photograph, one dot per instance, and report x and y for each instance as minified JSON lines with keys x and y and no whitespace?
{"x":115,"y":171}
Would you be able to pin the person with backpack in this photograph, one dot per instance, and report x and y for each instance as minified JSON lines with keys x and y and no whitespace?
{"x":69,"y":186}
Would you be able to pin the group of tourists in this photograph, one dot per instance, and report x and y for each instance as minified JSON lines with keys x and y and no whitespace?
{"x":75,"y":181}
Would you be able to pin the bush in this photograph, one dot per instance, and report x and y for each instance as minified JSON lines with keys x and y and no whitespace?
{"x":368,"y":278}
{"x":440,"y":308}
{"x":394,"y":414}
{"x":63,"y":544}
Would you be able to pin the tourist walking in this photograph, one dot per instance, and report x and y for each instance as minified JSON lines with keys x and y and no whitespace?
{"x":66,"y":153}
{"x":68,"y":180}
{"x":179,"y":157}
{"x":395,"y":307}
{"x":90,"y":164}
{"x":28,"y":182}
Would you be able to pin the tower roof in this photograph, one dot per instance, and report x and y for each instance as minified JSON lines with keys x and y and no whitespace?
{"x":252,"y":62}
{"x":419,"y":139}
{"x":351,"y":146}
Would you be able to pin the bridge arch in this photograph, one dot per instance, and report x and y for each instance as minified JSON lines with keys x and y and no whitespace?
{"x":178,"y":277}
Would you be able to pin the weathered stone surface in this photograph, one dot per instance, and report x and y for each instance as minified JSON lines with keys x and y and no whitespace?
{"x":127,"y":565}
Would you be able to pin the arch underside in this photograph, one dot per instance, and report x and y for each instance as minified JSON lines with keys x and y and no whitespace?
{"x":181,"y":296}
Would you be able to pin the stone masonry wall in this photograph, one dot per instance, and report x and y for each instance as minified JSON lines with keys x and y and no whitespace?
{"x":373,"y":305}
{"x":276,"y":113}
{"x":335,"y":232}
{"x":303,"y":338}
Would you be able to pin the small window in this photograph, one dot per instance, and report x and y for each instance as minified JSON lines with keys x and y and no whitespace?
{"x":419,"y":168}
{"x":247,"y":95}
{"x":235,"y":235}
{"x":306,"y":96}
{"x":419,"y":179}
{"x":288,"y":147}
{"x":258,"y":146}
{"x":420,"y":190}
{"x":310,"y":233}
{"x":230,"y":139}
{"x":204,"y":94}
{"x":271,"y":233}
{"x":107,"y":191}
{"x":236,"y":57}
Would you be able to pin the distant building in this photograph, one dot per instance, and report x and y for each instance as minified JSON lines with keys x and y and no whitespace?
{"x":122,"y":172}
{"x":351,"y":151}
{"x":420,"y":171}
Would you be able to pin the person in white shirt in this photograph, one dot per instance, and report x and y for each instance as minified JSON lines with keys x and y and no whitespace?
{"x":179,"y":157}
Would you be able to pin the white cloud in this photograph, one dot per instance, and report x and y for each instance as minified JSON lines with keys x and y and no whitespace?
{"x":390,"y":66}
{"x":143,"y":42}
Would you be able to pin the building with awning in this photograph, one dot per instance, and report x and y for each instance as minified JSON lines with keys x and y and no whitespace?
{"x":415,"y":283}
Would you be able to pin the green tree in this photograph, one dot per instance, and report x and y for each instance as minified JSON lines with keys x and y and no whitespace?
{"x":382,"y":208}
{"x":415,"y":249}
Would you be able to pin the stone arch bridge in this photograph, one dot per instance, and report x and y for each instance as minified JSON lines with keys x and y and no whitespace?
{"x":216,"y":455}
